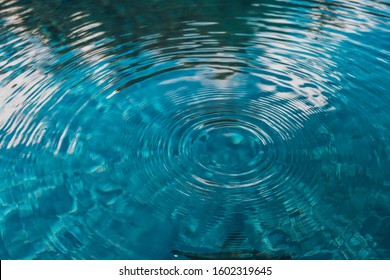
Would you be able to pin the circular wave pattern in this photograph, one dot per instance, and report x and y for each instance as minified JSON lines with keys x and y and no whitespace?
{"x":255,"y":128}
{"x":217,"y":143}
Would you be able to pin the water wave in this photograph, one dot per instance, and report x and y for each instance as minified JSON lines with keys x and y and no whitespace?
{"x":129,"y":131}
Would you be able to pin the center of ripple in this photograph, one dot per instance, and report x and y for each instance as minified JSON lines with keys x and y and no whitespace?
{"x":228,"y":149}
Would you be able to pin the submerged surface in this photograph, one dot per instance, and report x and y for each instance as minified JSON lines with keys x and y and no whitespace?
{"x":133,"y":130}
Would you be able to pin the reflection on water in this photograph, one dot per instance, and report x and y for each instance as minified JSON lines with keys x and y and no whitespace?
{"x":134,"y":130}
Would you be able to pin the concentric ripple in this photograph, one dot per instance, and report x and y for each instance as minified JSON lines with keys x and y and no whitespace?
{"x":219,"y":144}
{"x":131,"y":130}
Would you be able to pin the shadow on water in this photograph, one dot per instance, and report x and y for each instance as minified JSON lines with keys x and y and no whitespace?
{"x":230,"y":255}
{"x":230,"y":250}
{"x":125,"y":20}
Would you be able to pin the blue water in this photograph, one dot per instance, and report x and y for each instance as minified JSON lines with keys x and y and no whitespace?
{"x":131,"y":129}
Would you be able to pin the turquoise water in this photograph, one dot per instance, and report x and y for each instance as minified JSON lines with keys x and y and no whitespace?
{"x":129,"y":130}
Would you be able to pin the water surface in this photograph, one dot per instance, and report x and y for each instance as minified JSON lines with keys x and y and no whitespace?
{"x":130,"y":130}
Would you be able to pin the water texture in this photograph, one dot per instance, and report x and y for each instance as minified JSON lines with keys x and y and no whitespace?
{"x":134,"y":129}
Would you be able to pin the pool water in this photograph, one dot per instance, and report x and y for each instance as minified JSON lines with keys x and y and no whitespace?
{"x":167,"y":129}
